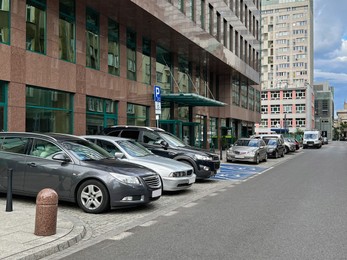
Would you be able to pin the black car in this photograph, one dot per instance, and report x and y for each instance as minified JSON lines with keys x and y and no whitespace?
{"x":275,"y":147}
{"x":162,"y":143}
{"x":78,"y":170}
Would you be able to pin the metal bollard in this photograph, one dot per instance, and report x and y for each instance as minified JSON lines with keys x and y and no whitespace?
{"x":9,"y":205}
{"x":46,"y":213}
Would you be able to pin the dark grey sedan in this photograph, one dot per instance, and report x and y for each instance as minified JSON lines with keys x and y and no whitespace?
{"x":76,"y":169}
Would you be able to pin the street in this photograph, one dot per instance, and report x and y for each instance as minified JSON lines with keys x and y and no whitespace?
{"x":295,"y":210}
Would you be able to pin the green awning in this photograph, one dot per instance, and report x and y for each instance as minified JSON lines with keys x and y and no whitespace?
{"x":191,"y":99}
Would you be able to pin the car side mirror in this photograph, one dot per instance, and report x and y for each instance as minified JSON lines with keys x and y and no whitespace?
{"x":119,"y":155}
{"x":164,"y":144}
{"x":61,"y":157}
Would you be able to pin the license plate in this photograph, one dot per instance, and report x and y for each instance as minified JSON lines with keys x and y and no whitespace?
{"x":156,"y":193}
{"x":239,"y":156}
{"x":191,"y":181}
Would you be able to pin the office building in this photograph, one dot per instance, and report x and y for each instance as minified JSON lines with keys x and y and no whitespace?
{"x":287,"y":98}
{"x":324,"y":108}
{"x":78,"y":66}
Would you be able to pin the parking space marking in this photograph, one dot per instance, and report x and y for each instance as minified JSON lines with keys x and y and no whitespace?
{"x":148,"y":223}
{"x":237,"y":171}
{"x":121,"y":236}
{"x":171,"y":213}
{"x":189,"y":205}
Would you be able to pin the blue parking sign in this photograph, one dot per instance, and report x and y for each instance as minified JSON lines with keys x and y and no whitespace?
{"x":157,"y":97}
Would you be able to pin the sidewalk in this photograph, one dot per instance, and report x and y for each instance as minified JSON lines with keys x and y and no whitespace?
{"x":17,"y":239}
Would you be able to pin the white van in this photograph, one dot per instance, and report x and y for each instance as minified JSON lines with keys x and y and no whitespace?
{"x":312,"y":138}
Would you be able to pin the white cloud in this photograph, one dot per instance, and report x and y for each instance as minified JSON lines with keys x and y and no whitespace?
{"x":331,"y":77}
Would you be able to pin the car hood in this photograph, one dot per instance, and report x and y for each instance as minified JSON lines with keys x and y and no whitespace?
{"x":118,"y":166}
{"x":195,"y":150}
{"x":244,"y":148}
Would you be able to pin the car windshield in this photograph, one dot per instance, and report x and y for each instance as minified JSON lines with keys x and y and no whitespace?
{"x":270,"y":141}
{"x":85,"y":151}
{"x":133,"y":148}
{"x":253,"y":143}
{"x":310,"y":136}
{"x":242,"y":142}
{"x":172,"y":140}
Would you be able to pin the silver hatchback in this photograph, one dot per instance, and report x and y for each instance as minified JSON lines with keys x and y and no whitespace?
{"x":76,"y":169}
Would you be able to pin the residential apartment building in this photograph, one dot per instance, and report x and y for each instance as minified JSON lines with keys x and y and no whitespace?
{"x":324,"y":108}
{"x":76,"y":66}
{"x":287,"y":97}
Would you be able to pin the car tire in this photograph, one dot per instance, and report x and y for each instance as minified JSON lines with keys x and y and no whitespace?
{"x":93,"y":197}
{"x":283,"y":151}
{"x":276,"y":155}
{"x":287,"y":150}
{"x":265,"y":158}
{"x":257,"y":159}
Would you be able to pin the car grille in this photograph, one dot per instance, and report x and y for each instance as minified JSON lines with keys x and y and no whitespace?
{"x":152,"y":181}
{"x":310,"y":142}
{"x":182,"y":173}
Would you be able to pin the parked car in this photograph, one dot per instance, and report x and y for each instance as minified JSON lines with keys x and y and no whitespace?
{"x":289,"y":145}
{"x":163,"y":143}
{"x":78,"y":170}
{"x":174,"y":174}
{"x":275,"y":147}
{"x":247,"y":149}
{"x":312,"y":139}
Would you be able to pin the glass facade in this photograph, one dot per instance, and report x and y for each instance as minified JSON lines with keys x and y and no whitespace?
{"x":163,"y":70}
{"x":92,"y":39}
{"x":5,"y":21}
{"x":113,"y":48}
{"x":3,"y":106}
{"x":36,"y":26}
{"x":100,"y":113}
{"x":146,"y":61}
{"x":67,"y":30}
{"x":137,"y":115}
{"x":48,"y":110}
{"x":131,"y":55}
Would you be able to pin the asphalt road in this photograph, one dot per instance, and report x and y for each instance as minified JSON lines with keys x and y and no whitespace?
{"x":296,"y":210}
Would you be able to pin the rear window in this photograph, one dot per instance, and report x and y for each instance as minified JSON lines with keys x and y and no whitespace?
{"x":132,"y":134}
{"x":14,"y":144}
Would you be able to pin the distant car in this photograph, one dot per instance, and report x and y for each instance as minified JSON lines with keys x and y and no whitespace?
{"x":325,"y":140}
{"x":174,"y":174}
{"x":247,"y":149}
{"x":78,"y":170}
{"x":290,"y":145}
{"x":275,"y":147}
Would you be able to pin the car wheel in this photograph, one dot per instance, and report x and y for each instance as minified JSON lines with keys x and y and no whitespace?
{"x":287,"y":149}
{"x":276,"y":155}
{"x":257,"y":159}
{"x":93,"y":197}
{"x":282,"y":155}
{"x":265,"y":158}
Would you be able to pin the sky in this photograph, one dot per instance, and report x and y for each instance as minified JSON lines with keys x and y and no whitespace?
{"x":330,"y":47}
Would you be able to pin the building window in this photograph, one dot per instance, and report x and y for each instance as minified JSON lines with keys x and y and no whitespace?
{"x":287,"y":94}
{"x":5,"y":21}
{"x":244,"y":92}
{"x":183,"y":75}
{"x":210,"y":19}
{"x":113,"y":48}
{"x":92,"y":41}
{"x":192,"y":10}
{"x":287,"y":109}
{"x":264,"y":109}
{"x":263,"y":95}
{"x":137,"y":115}
{"x":300,"y":94}
{"x":146,"y":61}
{"x":300,"y":122}
{"x":131,"y":55}
{"x":181,"y":5}
{"x":67,"y":30}
{"x":202,"y":15}
{"x":257,"y":101}
{"x":48,"y":110}
{"x":36,"y":26}
{"x":163,"y":70}
{"x":236,"y":91}
{"x":3,"y":106}
{"x":263,"y":123}
{"x":275,"y":123}
{"x":100,"y":113}
{"x":251,"y":98}
{"x":275,"y":95}
{"x":275,"y":109}
{"x":300,"y":108}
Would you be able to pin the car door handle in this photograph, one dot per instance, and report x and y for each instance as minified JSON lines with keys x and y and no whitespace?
{"x":32,"y":164}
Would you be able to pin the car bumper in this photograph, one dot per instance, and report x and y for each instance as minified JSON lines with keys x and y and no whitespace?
{"x":207,"y":169}
{"x":179,"y":183}
{"x":244,"y":158}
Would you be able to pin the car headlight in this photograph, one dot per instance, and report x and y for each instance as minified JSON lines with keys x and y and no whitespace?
{"x":126,"y":179}
{"x":202,"y":157}
{"x":270,"y":150}
{"x":251,"y":153}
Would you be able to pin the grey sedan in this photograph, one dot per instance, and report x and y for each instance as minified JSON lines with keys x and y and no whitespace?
{"x":175,"y":175}
{"x":247,"y":149}
{"x":76,"y":169}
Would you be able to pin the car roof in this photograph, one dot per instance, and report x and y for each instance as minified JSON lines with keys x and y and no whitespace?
{"x":48,"y":136}
{"x":107,"y":137}
{"x":135,"y":127}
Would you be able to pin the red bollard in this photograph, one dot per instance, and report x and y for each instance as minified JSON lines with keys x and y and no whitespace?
{"x":46,"y":213}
